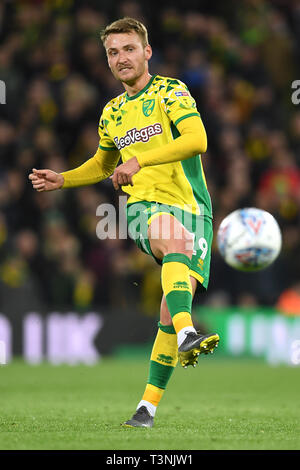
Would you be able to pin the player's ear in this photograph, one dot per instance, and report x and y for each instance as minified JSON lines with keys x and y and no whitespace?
{"x":148,"y":52}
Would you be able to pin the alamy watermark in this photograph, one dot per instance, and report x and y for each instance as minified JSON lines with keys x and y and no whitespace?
{"x":138,"y":224}
{"x":296,"y":94}
{"x":2,"y":92}
{"x":295,"y":352}
{"x":2,"y":353}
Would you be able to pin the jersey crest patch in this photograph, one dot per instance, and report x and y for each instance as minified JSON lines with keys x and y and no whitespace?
{"x":148,"y":106}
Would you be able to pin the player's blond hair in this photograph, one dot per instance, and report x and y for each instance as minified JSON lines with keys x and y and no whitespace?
{"x":126,"y":25}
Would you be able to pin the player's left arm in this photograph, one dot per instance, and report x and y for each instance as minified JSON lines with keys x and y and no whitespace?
{"x":192,"y":141}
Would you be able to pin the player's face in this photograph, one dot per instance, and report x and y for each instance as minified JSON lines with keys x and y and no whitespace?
{"x":127,"y":57}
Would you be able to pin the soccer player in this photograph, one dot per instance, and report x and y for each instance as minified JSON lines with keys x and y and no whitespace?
{"x":156,"y":129}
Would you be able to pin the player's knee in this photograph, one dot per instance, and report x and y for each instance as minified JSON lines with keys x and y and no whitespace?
{"x":167,"y":235}
{"x":185,"y":245}
{"x":173,"y":246}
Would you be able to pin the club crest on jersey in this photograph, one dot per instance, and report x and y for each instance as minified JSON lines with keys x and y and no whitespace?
{"x":148,"y":106}
{"x":138,"y":135}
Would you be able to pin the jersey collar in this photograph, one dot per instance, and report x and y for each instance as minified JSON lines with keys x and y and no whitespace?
{"x":140,"y":92}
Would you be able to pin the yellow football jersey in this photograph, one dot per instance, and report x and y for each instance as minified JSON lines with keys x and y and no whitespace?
{"x":148,"y":120}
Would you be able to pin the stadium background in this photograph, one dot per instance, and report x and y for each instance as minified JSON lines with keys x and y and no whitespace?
{"x":57,"y":279}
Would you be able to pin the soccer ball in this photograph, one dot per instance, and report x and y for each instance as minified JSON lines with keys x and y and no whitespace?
{"x":249,"y":239}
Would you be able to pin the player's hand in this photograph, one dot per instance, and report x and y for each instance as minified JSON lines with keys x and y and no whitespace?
{"x":123,"y":174}
{"x":46,"y":180}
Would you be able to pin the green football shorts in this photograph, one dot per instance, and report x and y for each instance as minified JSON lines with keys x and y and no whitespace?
{"x":141,"y":214}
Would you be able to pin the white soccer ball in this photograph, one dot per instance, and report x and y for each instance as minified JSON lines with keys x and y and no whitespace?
{"x":249,"y":239}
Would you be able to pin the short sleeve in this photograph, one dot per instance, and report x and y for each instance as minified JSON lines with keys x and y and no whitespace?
{"x":105,"y":143}
{"x":177,"y":101}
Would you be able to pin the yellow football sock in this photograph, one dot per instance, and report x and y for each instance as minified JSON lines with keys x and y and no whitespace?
{"x":177,"y":287}
{"x":163,"y":360}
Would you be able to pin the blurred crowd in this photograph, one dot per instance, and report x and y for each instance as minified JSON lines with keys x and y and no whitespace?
{"x":238,"y":59}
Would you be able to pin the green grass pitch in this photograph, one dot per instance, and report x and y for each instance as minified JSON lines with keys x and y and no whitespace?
{"x":221,"y":404}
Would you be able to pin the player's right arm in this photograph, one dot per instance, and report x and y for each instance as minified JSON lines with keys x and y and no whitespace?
{"x":96,"y":169}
